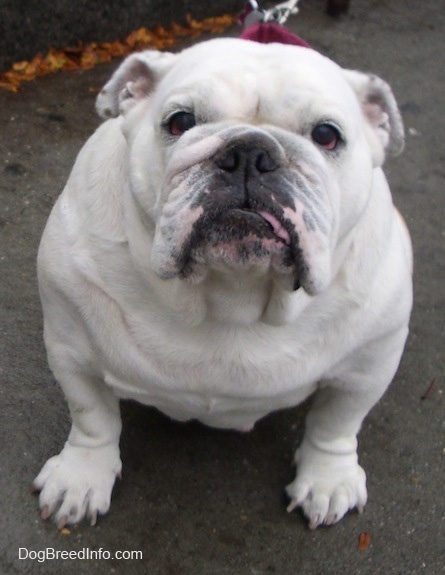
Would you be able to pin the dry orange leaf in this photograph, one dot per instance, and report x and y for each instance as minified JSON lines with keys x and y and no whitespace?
{"x":83,"y":57}
{"x":364,"y":541}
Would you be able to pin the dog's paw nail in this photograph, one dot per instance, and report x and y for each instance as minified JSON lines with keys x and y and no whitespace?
{"x":44,"y":513}
{"x":314,"y":522}
{"x":360,"y":509}
{"x":34,"y":489}
{"x":292,"y":505}
{"x":330,"y":519}
{"x":62,"y":522}
{"x":93,"y":519}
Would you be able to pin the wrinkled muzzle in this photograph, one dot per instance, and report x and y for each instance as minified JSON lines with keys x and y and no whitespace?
{"x":254,"y":205}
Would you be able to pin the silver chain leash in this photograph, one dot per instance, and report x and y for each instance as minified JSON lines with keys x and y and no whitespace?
{"x":279,"y":13}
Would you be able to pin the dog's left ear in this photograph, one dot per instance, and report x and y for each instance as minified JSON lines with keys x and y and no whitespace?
{"x":381,"y":113}
{"x":135,"y":79}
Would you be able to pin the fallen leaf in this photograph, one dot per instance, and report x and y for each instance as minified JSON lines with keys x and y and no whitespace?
{"x":364,"y":541}
{"x":84,"y":57}
{"x":9,"y":86}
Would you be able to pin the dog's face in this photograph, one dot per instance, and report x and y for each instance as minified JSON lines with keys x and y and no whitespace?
{"x":250,"y":157}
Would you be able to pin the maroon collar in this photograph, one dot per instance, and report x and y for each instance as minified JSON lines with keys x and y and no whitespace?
{"x":267,"y":32}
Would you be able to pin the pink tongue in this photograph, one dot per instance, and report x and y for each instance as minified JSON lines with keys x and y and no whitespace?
{"x":276,"y":226}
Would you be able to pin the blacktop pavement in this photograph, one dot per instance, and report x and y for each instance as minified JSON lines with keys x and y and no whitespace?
{"x":195,"y":501}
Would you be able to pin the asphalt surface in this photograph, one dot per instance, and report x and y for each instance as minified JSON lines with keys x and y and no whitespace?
{"x":196,"y":501}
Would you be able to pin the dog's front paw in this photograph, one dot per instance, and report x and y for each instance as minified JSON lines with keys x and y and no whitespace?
{"x":77,"y":483}
{"x":327,"y":485}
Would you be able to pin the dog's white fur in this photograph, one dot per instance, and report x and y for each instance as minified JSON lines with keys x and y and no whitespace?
{"x":229,"y":343}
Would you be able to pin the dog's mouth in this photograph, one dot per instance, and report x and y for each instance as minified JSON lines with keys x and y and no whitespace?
{"x":277,"y":227}
{"x":243,"y":238}
{"x":241,"y":225}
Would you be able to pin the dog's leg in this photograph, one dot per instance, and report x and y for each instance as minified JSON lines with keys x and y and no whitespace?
{"x":329,"y":480}
{"x":77,"y":483}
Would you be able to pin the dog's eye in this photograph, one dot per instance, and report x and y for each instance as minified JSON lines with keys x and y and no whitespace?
{"x":326,"y":136}
{"x":180,"y":123}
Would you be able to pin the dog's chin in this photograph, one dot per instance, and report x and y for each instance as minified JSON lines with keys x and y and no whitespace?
{"x":244,"y":241}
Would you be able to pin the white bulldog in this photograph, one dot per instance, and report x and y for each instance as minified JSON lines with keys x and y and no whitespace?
{"x":226,"y":246}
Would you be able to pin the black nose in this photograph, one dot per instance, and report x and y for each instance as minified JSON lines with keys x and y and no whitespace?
{"x":247,"y":159}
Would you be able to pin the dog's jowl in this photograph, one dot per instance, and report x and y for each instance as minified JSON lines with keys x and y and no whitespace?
{"x":226,"y":246}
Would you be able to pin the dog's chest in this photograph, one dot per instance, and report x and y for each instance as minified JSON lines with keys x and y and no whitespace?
{"x":222,"y":376}
{"x":227,"y":372}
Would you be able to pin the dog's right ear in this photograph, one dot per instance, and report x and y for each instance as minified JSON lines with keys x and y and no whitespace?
{"x":134,"y":80}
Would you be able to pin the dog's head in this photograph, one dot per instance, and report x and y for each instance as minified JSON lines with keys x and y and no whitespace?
{"x":245,"y":156}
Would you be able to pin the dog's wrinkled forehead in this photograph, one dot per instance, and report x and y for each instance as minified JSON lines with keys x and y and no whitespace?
{"x":250,"y":79}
